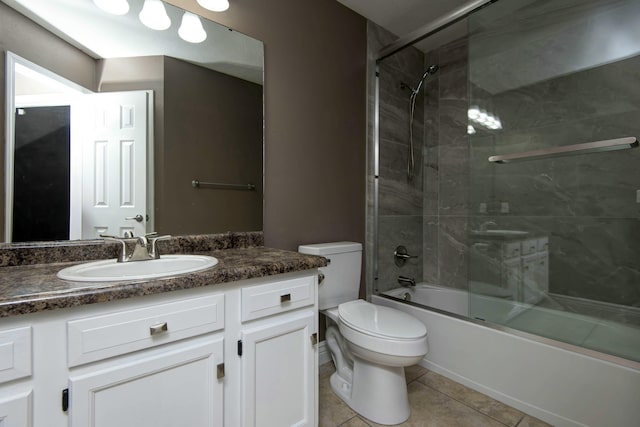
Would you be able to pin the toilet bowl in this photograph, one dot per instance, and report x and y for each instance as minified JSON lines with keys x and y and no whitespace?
{"x":370,"y":352}
{"x":370,"y":345}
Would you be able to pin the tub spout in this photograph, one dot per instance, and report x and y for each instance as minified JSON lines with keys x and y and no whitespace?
{"x":406,"y":281}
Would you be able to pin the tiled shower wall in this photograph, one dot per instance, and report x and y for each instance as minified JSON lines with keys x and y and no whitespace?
{"x":586,"y":205}
{"x":400,"y":198}
{"x":426,"y":214}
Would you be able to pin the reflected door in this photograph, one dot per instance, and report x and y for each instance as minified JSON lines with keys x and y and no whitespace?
{"x":114,"y":166}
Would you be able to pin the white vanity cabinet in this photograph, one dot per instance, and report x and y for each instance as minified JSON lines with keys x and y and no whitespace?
{"x":177,"y":384}
{"x":15,"y":364}
{"x":278,"y":354}
{"x":241,"y":353}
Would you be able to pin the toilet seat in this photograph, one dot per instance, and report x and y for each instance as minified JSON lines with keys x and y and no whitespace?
{"x":361,"y":326}
{"x":380,"y":321}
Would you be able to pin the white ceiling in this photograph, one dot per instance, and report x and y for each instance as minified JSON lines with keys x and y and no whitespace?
{"x":403,"y":16}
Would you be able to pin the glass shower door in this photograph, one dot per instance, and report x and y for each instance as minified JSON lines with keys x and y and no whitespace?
{"x":554,"y":239}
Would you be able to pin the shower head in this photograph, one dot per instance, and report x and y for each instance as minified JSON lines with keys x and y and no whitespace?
{"x":431,"y":70}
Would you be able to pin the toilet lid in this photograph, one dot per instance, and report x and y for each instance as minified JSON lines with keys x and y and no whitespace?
{"x":380,"y":321}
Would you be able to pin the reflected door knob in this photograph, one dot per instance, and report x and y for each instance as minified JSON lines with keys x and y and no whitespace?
{"x":138,"y":218}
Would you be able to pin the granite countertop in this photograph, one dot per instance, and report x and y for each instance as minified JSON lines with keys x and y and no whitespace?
{"x":33,"y":288}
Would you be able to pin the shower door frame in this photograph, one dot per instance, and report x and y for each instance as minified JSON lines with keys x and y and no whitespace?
{"x":421,"y":33}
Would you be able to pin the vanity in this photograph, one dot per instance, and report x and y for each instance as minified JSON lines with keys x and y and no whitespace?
{"x":233,"y":345}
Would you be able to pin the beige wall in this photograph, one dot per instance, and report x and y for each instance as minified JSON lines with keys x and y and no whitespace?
{"x":315,"y":104}
{"x":213,"y":132}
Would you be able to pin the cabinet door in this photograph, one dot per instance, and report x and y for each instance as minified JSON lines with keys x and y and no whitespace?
{"x":174,"y":387}
{"x":278,"y":372}
{"x":534,"y":279}
{"x":512,"y":277}
{"x":15,"y":411}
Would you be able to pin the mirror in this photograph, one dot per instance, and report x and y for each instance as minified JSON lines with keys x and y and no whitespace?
{"x":200,"y":106}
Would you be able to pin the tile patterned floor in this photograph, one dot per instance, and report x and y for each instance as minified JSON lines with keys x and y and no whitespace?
{"x":436,"y":401}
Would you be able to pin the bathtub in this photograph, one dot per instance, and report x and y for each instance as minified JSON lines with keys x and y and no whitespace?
{"x":559,"y":383}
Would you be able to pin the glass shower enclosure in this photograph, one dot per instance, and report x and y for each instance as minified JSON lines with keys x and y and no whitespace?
{"x":508,"y":166}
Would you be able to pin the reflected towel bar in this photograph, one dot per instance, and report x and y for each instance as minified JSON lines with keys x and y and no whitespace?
{"x":588,"y":147}
{"x":218,"y":186}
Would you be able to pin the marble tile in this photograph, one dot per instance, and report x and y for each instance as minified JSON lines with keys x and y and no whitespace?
{"x":478,"y":401}
{"x":432,"y":408}
{"x":453,"y":180}
{"x":453,"y":123}
{"x":394,"y":231}
{"x":430,"y":251}
{"x":414,"y":372}
{"x":435,"y":401}
{"x":453,"y":252}
{"x":356,"y":422}
{"x":529,"y":421}
{"x":396,"y":197}
{"x":332,"y":411}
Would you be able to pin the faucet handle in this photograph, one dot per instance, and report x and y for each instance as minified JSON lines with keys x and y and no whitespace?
{"x":154,"y":248}
{"x":122,"y":241}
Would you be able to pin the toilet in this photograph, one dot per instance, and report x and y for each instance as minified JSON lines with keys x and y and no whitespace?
{"x":370,"y":344}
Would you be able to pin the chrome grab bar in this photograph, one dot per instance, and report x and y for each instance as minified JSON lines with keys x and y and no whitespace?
{"x":588,"y":147}
{"x":220,"y":186}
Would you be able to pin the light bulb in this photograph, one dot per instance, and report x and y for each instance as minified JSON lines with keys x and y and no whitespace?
{"x":191,"y":29}
{"x":116,"y":7}
{"x":154,"y":15}
{"x":214,"y":5}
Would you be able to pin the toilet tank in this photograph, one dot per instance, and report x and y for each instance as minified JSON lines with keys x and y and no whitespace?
{"x":342,"y":276}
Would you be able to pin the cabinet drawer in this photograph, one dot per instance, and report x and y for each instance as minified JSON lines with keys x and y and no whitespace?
{"x":278,"y":297}
{"x":99,"y":337}
{"x":529,"y":246}
{"x":15,"y":354}
{"x":543,"y":244}
{"x":511,"y":250}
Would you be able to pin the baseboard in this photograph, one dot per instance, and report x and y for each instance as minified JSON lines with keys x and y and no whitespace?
{"x":323,"y":353}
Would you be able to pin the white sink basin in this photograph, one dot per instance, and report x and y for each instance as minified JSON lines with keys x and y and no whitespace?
{"x":111,"y":270}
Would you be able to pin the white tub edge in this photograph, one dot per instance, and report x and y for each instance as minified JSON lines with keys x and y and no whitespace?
{"x":541,"y":380}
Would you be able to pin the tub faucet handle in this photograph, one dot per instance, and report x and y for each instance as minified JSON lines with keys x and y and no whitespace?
{"x":401,"y":255}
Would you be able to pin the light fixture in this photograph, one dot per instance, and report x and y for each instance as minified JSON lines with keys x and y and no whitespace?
{"x":482,"y":118}
{"x":154,"y":15}
{"x":214,"y":5}
{"x":116,"y":7}
{"x":191,"y":29}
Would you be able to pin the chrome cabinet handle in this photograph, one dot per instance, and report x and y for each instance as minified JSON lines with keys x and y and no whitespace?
{"x":138,"y":218}
{"x":285,"y":298}
{"x":159,"y":328}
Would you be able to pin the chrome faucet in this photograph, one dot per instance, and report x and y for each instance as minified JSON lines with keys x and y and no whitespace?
{"x":406,"y":281}
{"x":145,"y":248}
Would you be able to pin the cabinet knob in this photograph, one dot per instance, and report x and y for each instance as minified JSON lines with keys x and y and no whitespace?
{"x":159,"y":328}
